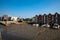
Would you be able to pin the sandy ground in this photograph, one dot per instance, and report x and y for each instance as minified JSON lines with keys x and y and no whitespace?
{"x":28,"y":32}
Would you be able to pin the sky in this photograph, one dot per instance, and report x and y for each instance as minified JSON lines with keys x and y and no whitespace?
{"x":28,"y":8}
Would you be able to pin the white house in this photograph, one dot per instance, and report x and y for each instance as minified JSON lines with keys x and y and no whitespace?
{"x":14,"y":18}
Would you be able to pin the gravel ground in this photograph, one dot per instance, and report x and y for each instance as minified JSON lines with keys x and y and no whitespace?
{"x":28,"y":32}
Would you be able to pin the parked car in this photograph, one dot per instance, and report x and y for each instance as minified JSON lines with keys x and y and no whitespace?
{"x":45,"y":25}
{"x":56,"y":26}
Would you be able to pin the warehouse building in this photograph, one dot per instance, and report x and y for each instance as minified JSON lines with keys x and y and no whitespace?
{"x":47,"y":18}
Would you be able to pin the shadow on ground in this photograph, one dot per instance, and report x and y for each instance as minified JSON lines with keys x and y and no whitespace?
{"x":12,"y":37}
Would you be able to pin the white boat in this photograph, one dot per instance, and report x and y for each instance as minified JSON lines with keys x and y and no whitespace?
{"x":56,"y":26}
{"x":45,"y":25}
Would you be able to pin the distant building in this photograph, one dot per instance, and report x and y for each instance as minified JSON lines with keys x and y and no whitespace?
{"x":35,"y":19}
{"x":9,"y":18}
{"x":40,"y":19}
{"x":47,"y":19}
{"x":0,"y":18}
{"x":44,"y":19}
{"x":14,"y":18}
{"x":20,"y":19}
{"x":59,"y":19}
{"x":5,"y":17}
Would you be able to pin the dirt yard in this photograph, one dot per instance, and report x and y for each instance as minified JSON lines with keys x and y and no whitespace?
{"x":28,"y":32}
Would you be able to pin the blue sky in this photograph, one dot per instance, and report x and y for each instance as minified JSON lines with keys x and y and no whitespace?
{"x":28,"y":8}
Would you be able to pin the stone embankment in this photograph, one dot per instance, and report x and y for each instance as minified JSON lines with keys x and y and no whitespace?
{"x":7,"y":23}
